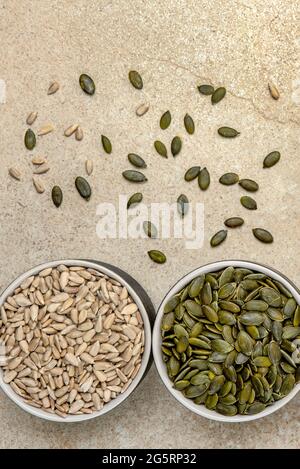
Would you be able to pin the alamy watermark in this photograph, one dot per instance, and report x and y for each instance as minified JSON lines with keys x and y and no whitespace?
{"x":117,"y":222}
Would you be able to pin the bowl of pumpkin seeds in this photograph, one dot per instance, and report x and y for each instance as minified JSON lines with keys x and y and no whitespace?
{"x":226,"y":341}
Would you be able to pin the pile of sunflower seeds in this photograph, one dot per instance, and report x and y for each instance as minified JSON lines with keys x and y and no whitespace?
{"x":231,"y":341}
{"x":73,"y":338}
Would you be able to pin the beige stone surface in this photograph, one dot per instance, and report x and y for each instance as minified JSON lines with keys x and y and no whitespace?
{"x":175,"y":45}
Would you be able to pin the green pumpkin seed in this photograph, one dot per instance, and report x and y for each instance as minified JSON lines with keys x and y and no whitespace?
{"x":211,"y":401}
{"x":30,"y":139}
{"x":289,"y":308}
{"x":195,"y":391}
{"x":157,"y":256}
{"x":229,"y":306}
{"x":161,"y":148}
{"x":107,"y":147}
{"x":200,"y":379}
{"x":234,"y":222}
{"x":171,"y":304}
{"x":206,"y":89}
{"x":83,"y":187}
{"x":199,"y":364}
{"x":274,"y":352}
{"x":218,"y":238}
{"x":87,"y":84}
{"x":288,"y":359}
{"x":135,"y":199}
{"x":216,"y":384}
{"x":227,"y":410}
{"x":249,"y":185}
{"x":287,"y":384}
{"x":192,"y":173}
{"x":290,"y":332}
{"x":204,"y":179}
{"x":227,"y":290}
{"x":217,"y":357}
{"x":196,"y":329}
{"x":262,"y":235}
{"x":150,"y":229}
{"x":196,"y":286}
{"x":256,"y":305}
{"x":173,"y":366}
{"x":165,"y":120}
{"x":296,"y":321}
{"x":206,"y":294}
{"x":255,"y":408}
{"x":228,"y":179}
{"x":225,"y":389}
{"x":135,"y":79}
{"x":136,"y":160}
{"x":253,"y":332}
{"x":57,"y":196}
{"x":167,"y":321}
{"x":134,"y":176}
{"x":251,"y":319}
{"x":218,"y":95}
{"x":189,"y":124}
{"x":182,"y":384}
{"x":179,"y":330}
{"x":176,"y":145}
{"x":270,"y":296}
{"x":228,"y":132}
{"x":271,"y":159}
{"x":221,"y":346}
{"x":210,"y":313}
{"x":226,"y":276}
{"x":245,"y":342}
{"x":245,"y":393}
{"x":262,"y":361}
{"x":228,"y":400}
{"x":182,"y":345}
{"x":250,"y":204}
{"x":193,"y":307}
{"x":182,"y":205}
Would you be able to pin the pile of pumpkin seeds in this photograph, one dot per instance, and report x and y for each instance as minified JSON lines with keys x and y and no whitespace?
{"x":231,"y":341}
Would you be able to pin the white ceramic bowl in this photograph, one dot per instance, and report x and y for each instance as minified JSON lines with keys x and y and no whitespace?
{"x":145,"y":358}
{"x":156,"y":341}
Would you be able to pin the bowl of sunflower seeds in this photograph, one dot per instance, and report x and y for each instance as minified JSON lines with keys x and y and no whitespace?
{"x":226,"y":341}
{"x":75,"y":339}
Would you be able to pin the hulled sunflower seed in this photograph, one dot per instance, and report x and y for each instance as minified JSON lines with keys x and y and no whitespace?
{"x":79,"y":134}
{"x":53,"y":88}
{"x":15,"y":173}
{"x":135,"y":79}
{"x":273,"y":91}
{"x":70,"y":130}
{"x":31,"y":118}
{"x":41,"y":169}
{"x":38,"y":160}
{"x":45,"y":130}
{"x":89,"y":166}
{"x":87,"y":84}
{"x":142,"y":109}
{"x":165,"y":120}
{"x":39,"y":186}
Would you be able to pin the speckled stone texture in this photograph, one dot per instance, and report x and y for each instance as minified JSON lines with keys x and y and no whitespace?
{"x":175,"y":45}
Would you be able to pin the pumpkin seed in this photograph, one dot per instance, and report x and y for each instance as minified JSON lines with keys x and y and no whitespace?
{"x":136,"y":160}
{"x":287,"y":384}
{"x":271,"y":159}
{"x":57,"y":196}
{"x":221,"y":346}
{"x":218,"y":238}
{"x":255,"y":408}
{"x":182,"y":205}
{"x":228,"y":179}
{"x":192,"y":173}
{"x":290,"y":332}
{"x":165,"y":120}
{"x":248,"y":202}
{"x":161,"y":148}
{"x":195,"y":391}
{"x":256,"y":305}
{"x":251,"y":319}
{"x":157,"y":256}
{"x":228,"y":132}
{"x":196,"y":286}
{"x":83,"y":187}
{"x":289,"y":307}
{"x":150,"y":229}
{"x":106,"y":143}
{"x":249,"y":185}
{"x":270,"y":296}
{"x":176,"y":145}
{"x":234,"y":222}
{"x":167,"y":321}
{"x":211,"y":401}
{"x":87,"y":84}
{"x":227,"y":410}
{"x":262,"y":235}
{"x":135,"y":79}
{"x":134,"y":176}
{"x":30,"y":139}
{"x":204,"y":179}
{"x":218,"y":95}
{"x":134,"y":199}
{"x":189,"y":124}
{"x":206,"y":89}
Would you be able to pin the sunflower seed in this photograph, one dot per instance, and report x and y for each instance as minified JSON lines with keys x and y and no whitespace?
{"x":204,"y":179}
{"x":30,"y":139}
{"x":38,"y":160}
{"x":228,"y":132}
{"x":89,"y":166}
{"x":134,"y":176}
{"x":218,"y":95}
{"x":83,"y":187}
{"x":192,"y":173}
{"x":57,"y":196}
{"x":234,"y":222}
{"x":134,"y":199}
{"x":39,"y":186}
{"x":189,"y":124}
{"x":135,"y":79}
{"x":15,"y":173}
{"x":157,"y":256}
{"x":31,"y":118}
{"x":165,"y":120}
{"x":249,"y":185}
{"x":263,"y":235}
{"x":206,"y":89}
{"x":271,"y":159}
{"x":53,"y":88}
{"x":71,"y":130}
{"x":136,"y":160}
{"x":176,"y":145}
{"x":248,"y":202}
{"x":46,"y":129}
{"x":142,"y":109}
{"x":41,"y":169}
{"x":229,"y":179}
{"x":87,"y":84}
{"x":273,"y":91}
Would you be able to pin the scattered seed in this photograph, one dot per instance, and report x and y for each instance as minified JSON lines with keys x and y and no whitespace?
{"x":137,"y":160}
{"x":228,"y":179}
{"x":249,"y":185}
{"x":71,"y":130}
{"x":107,"y":147}
{"x":41,"y":169}
{"x":57,"y":196}
{"x":46,"y":129}
{"x":39,"y":186}
{"x":234,"y":222}
{"x":206,"y":89}
{"x":150,"y":229}
{"x":30,"y":139}
{"x":228,"y":132}
{"x":189,"y":124}
{"x":182,"y":205}
{"x":31,"y":118}
{"x":135,"y":79}
{"x":79,"y":134}
{"x":15,"y":173}
{"x":53,"y":88}
{"x":87,"y":84}
{"x":83,"y":188}
{"x":263,"y":235}
{"x":157,"y":256}
{"x":38,"y":160}
{"x":134,"y":199}
{"x":273,"y":91}
{"x":248,"y":202}
{"x":89,"y":166}
{"x":218,"y":238}
{"x":204,"y":179}
{"x":176,"y":145}
{"x":134,"y":176}
{"x":165,"y":120}
{"x":161,"y":148}
{"x":192,"y":173}
{"x":271,"y":159}
{"x":142,"y":109}
{"x":218,"y":95}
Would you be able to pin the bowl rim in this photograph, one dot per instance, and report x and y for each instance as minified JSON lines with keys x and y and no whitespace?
{"x":156,"y":339}
{"x":6,"y":388}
